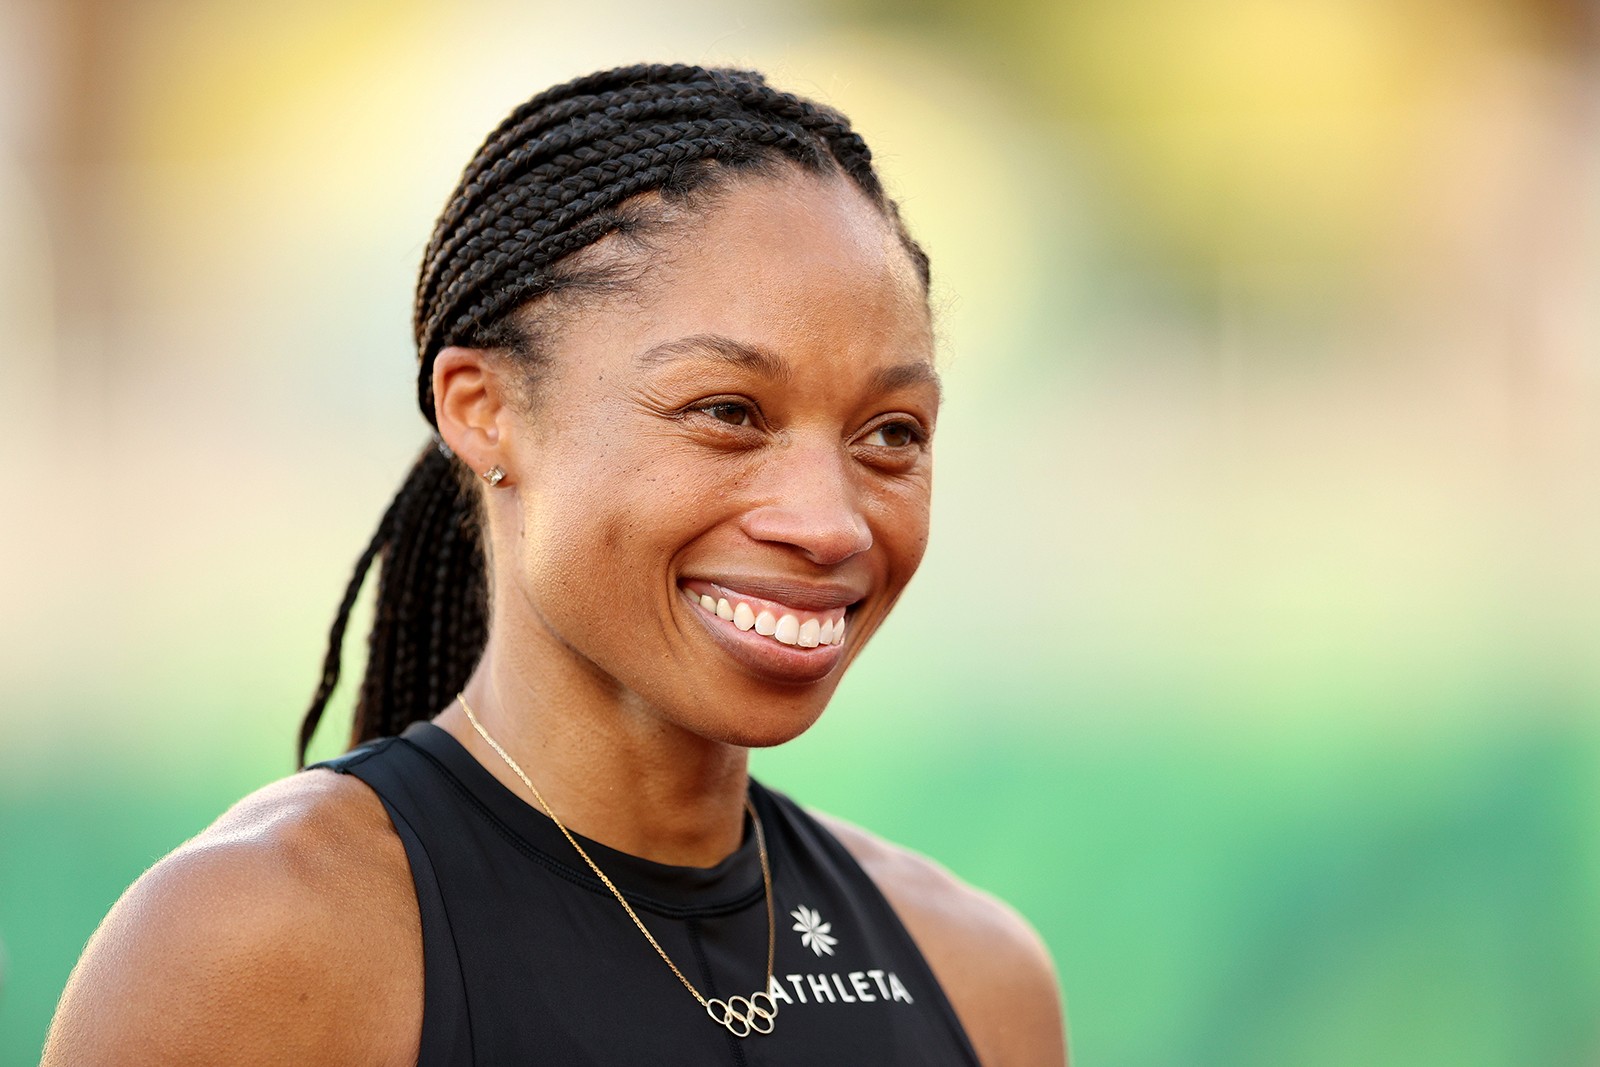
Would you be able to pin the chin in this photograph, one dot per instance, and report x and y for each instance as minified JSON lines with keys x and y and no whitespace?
{"x":773,"y":726}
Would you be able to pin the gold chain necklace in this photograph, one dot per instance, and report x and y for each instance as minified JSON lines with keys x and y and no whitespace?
{"x":741,"y":1015}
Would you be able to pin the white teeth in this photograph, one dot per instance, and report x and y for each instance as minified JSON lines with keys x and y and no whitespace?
{"x":787,"y":629}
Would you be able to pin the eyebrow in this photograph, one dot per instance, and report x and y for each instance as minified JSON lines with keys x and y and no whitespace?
{"x":723,"y":349}
{"x":771,"y":365}
{"x":905,"y":375}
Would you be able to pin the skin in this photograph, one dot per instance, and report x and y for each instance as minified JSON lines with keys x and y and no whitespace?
{"x":789,"y":458}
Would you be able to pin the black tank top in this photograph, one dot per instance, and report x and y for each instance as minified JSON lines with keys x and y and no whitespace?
{"x":528,"y":959}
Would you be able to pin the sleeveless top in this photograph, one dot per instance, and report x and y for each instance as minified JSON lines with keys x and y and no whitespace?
{"x":529,"y":959}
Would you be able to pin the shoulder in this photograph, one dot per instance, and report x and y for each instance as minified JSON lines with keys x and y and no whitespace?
{"x":286,"y":932}
{"x":992,"y":965}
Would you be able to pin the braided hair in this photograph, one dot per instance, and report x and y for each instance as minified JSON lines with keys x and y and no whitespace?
{"x":563,"y":171}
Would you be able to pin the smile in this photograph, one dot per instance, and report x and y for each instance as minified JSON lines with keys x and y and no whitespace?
{"x":796,"y":627}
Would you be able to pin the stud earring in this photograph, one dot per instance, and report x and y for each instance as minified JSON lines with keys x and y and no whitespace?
{"x":493,"y":475}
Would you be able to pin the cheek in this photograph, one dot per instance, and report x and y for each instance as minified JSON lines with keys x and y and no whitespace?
{"x":601,"y":530}
{"x":900,"y":516}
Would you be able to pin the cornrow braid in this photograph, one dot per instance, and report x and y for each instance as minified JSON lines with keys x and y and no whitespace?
{"x":558,"y":175}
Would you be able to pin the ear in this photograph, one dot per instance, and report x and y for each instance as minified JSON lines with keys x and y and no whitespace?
{"x":469,"y":404}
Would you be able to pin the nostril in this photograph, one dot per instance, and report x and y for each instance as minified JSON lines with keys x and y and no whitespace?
{"x":825,"y":538}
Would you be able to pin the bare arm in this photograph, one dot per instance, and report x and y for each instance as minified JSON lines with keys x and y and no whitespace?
{"x":991,"y":963}
{"x":286,"y":933}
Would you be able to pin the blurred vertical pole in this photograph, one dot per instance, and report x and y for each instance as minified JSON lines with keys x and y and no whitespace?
{"x":1548,"y":250}
{"x":75,"y":171}
{"x":1547,"y":260}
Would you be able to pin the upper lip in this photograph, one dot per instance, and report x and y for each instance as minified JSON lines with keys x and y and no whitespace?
{"x":796,"y":593}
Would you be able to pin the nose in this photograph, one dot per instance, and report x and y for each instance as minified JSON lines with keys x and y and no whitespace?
{"x":812,"y":503}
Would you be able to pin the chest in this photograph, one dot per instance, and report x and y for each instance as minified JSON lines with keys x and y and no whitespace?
{"x":553,"y":972}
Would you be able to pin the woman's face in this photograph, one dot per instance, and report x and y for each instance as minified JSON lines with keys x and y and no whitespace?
{"x":723,"y":483}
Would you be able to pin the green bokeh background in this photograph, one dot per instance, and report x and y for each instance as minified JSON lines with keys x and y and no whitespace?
{"x":1254,"y":658}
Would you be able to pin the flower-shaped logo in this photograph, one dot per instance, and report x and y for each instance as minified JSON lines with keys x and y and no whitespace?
{"x":813,"y":931}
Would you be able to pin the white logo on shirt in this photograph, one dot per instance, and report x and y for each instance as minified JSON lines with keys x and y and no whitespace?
{"x":814,"y":933}
{"x":853,"y":988}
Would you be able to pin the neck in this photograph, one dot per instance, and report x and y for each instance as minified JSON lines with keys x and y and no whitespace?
{"x":610,"y":768}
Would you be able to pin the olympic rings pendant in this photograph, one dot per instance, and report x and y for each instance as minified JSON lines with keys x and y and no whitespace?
{"x":741,"y":1023}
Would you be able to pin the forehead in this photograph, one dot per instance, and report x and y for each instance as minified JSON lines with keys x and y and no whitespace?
{"x":804,"y":267}
{"x":792,"y":224}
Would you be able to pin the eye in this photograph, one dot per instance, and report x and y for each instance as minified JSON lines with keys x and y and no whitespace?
{"x":731,"y":413}
{"x":894,"y":435}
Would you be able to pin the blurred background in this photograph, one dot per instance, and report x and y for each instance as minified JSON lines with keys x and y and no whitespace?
{"x":1256,"y":658}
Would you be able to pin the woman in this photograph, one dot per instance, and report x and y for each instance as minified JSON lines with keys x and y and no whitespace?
{"x":677,"y":349}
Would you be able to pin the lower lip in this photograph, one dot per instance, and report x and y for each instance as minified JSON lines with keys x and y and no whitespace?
{"x":765,"y":657}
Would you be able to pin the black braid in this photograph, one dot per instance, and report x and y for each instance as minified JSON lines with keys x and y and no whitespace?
{"x":431,"y":619}
{"x":330,"y":663}
{"x":559,"y":174}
